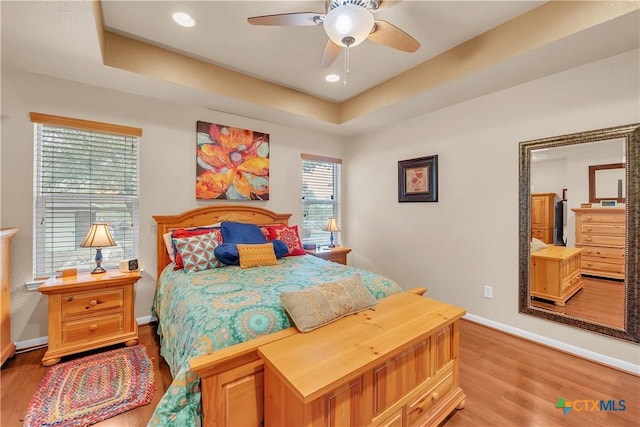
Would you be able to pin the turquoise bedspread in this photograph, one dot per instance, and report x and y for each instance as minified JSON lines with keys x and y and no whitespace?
{"x":209,"y":310}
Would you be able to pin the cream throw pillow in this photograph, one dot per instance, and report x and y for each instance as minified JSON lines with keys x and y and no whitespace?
{"x":537,"y":245}
{"x":322,"y":304}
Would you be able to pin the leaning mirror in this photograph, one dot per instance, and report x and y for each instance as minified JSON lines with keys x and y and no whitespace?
{"x":579,"y":259}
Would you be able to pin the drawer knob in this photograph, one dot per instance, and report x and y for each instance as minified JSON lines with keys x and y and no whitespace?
{"x":589,"y":228}
{"x":588,"y":239}
{"x":589,"y":218}
{"x":435,"y":396}
{"x":93,"y":302}
{"x":93,"y":327}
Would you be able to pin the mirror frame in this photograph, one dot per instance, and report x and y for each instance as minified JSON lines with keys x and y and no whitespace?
{"x":593,"y":191}
{"x":631,"y":134}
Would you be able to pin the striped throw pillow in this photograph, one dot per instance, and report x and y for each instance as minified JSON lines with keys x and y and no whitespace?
{"x":256,"y":255}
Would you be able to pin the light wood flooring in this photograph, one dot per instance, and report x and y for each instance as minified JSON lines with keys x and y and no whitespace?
{"x":21,"y":376}
{"x":508,"y":382}
{"x":600,"y":301}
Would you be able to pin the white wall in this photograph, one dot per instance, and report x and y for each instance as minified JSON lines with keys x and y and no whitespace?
{"x":454,"y":247}
{"x":469,"y":238}
{"x":167,"y":170}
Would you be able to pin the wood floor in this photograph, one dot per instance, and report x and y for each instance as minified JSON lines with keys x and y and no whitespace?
{"x":508,"y":382}
{"x":600,"y":301}
{"x":21,"y":376}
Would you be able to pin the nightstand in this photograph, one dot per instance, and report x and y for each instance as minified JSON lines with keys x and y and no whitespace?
{"x":337,"y":254}
{"x":89,"y":311}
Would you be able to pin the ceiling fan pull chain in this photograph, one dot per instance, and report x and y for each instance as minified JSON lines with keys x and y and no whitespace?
{"x":347,"y":71}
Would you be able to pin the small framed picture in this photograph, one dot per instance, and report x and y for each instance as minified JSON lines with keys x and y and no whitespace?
{"x":608,"y":203}
{"x":418,"y":179}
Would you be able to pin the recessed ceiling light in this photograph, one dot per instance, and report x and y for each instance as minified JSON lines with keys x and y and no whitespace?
{"x":184,"y":19}
{"x":332,"y":78}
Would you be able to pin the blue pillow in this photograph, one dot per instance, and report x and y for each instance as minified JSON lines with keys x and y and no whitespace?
{"x":227,"y":253}
{"x":238,"y":232}
{"x":280,"y":247}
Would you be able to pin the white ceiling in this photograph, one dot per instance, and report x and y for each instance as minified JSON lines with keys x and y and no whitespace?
{"x":290,"y":56}
{"x":60,"y":39}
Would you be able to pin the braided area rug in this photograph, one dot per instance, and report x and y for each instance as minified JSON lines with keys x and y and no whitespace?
{"x":88,"y":390}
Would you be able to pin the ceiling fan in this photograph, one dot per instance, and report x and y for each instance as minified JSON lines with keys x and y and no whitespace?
{"x":347,"y":23}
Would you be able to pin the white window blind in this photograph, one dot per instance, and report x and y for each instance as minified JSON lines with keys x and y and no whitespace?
{"x":84,"y":172}
{"x":321,"y":177}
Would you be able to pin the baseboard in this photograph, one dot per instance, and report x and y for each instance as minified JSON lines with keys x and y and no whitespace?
{"x":145,"y":320}
{"x":35,"y":343}
{"x":559,"y":345}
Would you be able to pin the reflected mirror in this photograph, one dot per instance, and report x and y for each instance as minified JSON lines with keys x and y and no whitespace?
{"x":606,"y":182}
{"x":579,"y":214}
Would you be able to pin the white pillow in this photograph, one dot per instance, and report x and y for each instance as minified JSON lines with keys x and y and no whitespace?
{"x":169,"y":244}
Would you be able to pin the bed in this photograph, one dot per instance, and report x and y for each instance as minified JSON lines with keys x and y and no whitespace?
{"x":218,"y":375}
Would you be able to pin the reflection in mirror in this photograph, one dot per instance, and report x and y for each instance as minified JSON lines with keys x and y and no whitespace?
{"x":606,"y":182}
{"x":578,"y":259}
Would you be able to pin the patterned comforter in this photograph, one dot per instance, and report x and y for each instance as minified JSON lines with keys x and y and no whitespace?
{"x":213,"y":309}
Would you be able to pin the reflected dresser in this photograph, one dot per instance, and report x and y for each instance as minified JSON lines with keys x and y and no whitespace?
{"x":542,"y":206}
{"x":601,"y":233}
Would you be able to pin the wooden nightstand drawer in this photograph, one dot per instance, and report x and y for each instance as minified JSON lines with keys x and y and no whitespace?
{"x":91,"y":302}
{"x":90,"y":329}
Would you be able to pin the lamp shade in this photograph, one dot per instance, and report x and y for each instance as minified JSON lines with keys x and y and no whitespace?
{"x":348,"y":24}
{"x":331,"y":225}
{"x":98,"y":236}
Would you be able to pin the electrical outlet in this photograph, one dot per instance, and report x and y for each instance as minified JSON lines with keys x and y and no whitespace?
{"x":488,"y":292}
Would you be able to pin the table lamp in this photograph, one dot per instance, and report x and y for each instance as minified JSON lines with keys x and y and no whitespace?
{"x":331,"y":226}
{"x":98,"y":237}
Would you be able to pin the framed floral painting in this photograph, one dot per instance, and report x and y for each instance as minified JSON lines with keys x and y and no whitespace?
{"x":418,"y":179}
{"x":231,"y":163}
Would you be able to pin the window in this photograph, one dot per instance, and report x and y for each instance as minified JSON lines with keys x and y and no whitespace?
{"x":84,"y":172}
{"x":321,"y":178}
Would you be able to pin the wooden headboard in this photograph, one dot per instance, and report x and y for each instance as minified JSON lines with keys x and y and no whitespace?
{"x":207,"y":215}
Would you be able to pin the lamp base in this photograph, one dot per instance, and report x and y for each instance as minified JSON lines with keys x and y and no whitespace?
{"x":98,"y":270}
{"x":331,"y":245}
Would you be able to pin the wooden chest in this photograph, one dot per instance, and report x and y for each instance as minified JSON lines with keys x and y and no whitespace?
{"x":555,"y":273}
{"x":396,"y":365}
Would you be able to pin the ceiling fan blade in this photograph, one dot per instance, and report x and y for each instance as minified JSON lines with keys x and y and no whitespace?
{"x":392,"y":36}
{"x":330,"y":53}
{"x":292,"y":19}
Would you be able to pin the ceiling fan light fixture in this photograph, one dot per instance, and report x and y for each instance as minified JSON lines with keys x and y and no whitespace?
{"x":348,"y":25}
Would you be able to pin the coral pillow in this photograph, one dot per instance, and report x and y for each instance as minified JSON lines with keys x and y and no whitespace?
{"x":197,"y":252}
{"x":290,"y":236}
{"x":189,"y":232}
{"x":256,"y":255}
